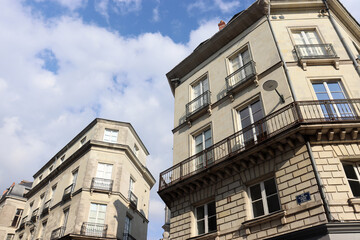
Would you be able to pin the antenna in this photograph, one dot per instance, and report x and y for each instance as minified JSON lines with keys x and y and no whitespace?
{"x":270,"y":85}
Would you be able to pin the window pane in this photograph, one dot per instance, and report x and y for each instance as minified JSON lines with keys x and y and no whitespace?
{"x":270,"y":187}
{"x":350,"y":171}
{"x":273,"y":203}
{"x":258,"y":208}
{"x":211,"y":209}
{"x":337,"y":95}
{"x":212,"y":224}
{"x":322,"y":96}
{"x":201,"y":227}
{"x":355,"y":188}
{"x":200,"y":212}
{"x":334,"y":87}
{"x":319,"y":87}
{"x":255,"y":192}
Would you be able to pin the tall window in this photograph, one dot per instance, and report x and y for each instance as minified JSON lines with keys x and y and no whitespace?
{"x":104,"y":171}
{"x":65,"y":217}
{"x":332,"y":90}
{"x":17,"y":217}
{"x":127,"y":228}
{"x":239,"y":67}
{"x":203,"y":141}
{"x":309,"y":43}
{"x":131,"y":186}
{"x":353,"y":177}
{"x":264,"y":198}
{"x":199,"y":98}
{"x":97,"y":213}
{"x":74,"y":178}
{"x":249,"y":115}
{"x":10,"y":236}
{"x":111,"y":135}
{"x":42,"y":230}
{"x":206,"y":218}
{"x":53,"y":190}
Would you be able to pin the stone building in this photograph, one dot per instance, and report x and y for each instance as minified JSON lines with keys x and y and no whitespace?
{"x":12,"y":203}
{"x":97,"y":186}
{"x":266,"y":121}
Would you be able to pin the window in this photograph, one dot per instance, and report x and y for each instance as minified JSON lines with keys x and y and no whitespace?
{"x":53,"y":189}
{"x":308,"y":43}
{"x":206,"y":218}
{"x":42,"y":231}
{"x":42,"y":200}
{"x":203,"y":141}
{"x":353,"y":177}
{"x":131,"y":186}
{"x":31,"y":236}
{"x":248,"y":116}
{"x":127,"y":228}
{"x":65,"y":217}
{"x":332,"y":90}
{"x":30,"y":208}
{"x":10,"y":236}
{"x":111,"y":135}
{"x":51,"y":168}
{"x":74,"y":178}
{"x":240,"y":68}
{"x":200,"y":96}
{"x":104,"y":170}
{"x":97,"y":213}
{"x":62,"y":158}
{"x":17,"y":217}
{"x":40,"y":177}
{"x":82,"y":142}
{"x":264,"y":198}
{"x":136,"y":150}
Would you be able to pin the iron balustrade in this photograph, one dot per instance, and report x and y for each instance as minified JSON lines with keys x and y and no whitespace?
{"x":313,"y":51}
{"x":94,"y":229}
{"x":241,"y":75}
{"x":34,"y":215}
{"x":67,"y":192}
{"x":57,"y":233}
{"x":45,"y":209}
{"x":133,"y":199}
{"x":127,"y":236}
{"x":198,"y":103}
{"x":322,"y":111}
{"x":102,"y":184}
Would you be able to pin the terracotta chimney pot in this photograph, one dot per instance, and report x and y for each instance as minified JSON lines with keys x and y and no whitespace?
{"x":221,"y":25}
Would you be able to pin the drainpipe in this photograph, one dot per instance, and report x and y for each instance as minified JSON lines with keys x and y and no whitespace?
{"x":329,"y":217}
{"x":280,"y":54}
{"x":333,"y":23}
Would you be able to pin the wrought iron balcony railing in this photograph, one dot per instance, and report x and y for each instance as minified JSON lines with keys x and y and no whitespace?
{"x":133,"y":199}
{"x":198,"y":103}
{"x":127,"y":236}
{"x":67,"y":193}
{"x":57,"y":233}
{"x":324,"y":111}
{"x":102,"y":184}
{"x":94,"y":229}
{"x":34,"y":215}
{"x":45,"y":209}
{"x":240,"y":76}
{"x":313,"y":51}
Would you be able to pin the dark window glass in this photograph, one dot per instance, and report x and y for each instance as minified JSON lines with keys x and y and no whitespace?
{"x":258,"y":208}
{"x":255,"y":192}
{"x":270,"y":187}
{"x":273,"y":203}
{"x":201,"y":226}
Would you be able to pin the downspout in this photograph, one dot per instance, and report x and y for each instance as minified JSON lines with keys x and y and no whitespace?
{"x":333,"y":23}
{"x":329,"y":217}
{"x":280,"y":54}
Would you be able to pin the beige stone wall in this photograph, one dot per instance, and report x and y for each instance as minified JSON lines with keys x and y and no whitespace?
{"x":293,"y":173}
{"x":7,"y":212}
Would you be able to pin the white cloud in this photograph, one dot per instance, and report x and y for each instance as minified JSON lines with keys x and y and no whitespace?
{"x":101,"y":6}
{"x":72,"y":4}
{"x":223,"y":6}
{"x":156,"y":14}
{"x":226,"y":7}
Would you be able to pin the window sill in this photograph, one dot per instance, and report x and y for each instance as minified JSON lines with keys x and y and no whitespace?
{"x":264,"y":219}
{"x":355,"y":202}
{"x":206,"y":236}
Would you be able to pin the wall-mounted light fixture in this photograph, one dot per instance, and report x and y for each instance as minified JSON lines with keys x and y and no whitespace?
{"x":270,"y":85}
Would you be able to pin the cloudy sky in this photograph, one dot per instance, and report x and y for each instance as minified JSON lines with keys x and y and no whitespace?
{"x":65,"y":62}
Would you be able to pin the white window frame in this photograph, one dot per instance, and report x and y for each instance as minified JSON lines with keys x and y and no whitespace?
{"x":263,"y":197}
{"x":97,"y":212}
{"x":199,"y":161}
{"x":205,"y":219}
{"x":235,"y":79}
{"x":204,"y":86}
{"x":111,"y":135}
{"x":356,"y":167}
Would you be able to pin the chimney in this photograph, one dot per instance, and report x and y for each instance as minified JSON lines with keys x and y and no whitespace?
{"x":221,"y":25}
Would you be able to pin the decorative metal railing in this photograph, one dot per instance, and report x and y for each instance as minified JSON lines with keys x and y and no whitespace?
{"x":240,"y":76}
{"x":313,"y":51}
{"x":34,"y":215}
{"x":67,"y":192}
{"x":102,"y":184}
{"x":133,"y":199}
{"x":57,"y":233}
{"x":127,"y":236}
{"x":94,"y":229}
{"x":198,"y":103}
{"x":324,"y":111}
{"x":45,"y":209}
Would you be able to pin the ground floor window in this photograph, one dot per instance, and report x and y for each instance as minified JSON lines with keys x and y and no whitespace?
{"x":352,"y":175}
{"x":206,"y":218}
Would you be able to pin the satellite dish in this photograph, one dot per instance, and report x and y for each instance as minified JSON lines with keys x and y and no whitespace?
{"x":270,"y":85}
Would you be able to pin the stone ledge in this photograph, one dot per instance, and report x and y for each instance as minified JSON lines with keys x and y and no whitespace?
{"x":207,"y":236}
{"x":355,"y":202}
{"x":263,"y":219}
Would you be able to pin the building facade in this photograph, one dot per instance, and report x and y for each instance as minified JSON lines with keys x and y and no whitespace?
{"x":267,"y":114}
{"x":12,"y":203}
{"x":97,"y":186}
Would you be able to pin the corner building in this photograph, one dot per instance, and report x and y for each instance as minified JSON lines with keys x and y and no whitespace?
{"x":267,"y":114}
{"x":96,"y":187}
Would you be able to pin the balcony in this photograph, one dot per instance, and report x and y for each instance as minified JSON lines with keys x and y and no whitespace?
{"x":101,"y":184}
{"x":133,"y":200}
{"x":127,"y":236}
{"x":57,"y":233}
{"x":198,"y":106}
{"x":307,"y":113}
{"x":67,"y":193}
{"x":315,"y":54}
{"x":241,"y":78}
{"x":45,"y":209}
{"x":94,"y":229}
{"x":22,"y":223}
{"x":34,"y":215}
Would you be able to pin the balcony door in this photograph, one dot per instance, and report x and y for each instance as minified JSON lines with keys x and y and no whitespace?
{"x":203,"y":141}
{"x":95,"y":226}
{"x":103,"y":175}
{"x":309,"y":43}
{"x":197,"y":94}
{"x":333,"y":91}
{"x":239,"y":67}
{"x":127,"y":228}
{"x":248,"y":116}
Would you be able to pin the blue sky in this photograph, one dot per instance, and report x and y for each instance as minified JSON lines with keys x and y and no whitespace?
{"x":65,"y":62}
